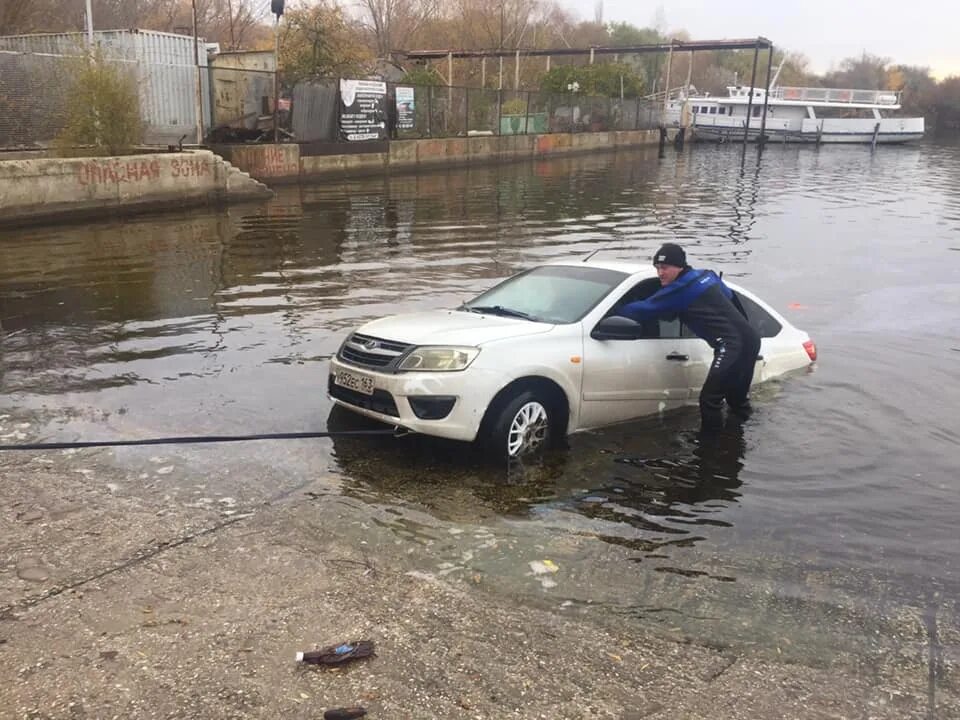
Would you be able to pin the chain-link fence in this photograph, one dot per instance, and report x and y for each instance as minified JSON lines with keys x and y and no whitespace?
{"x":457,"y":111}
{"x":35,"y":91}
{"x":238,"y":106}
{"x":32,"y":88}
{"x":310,"y":112}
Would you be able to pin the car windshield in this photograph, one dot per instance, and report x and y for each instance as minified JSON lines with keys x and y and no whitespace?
{"x":550,"y":294}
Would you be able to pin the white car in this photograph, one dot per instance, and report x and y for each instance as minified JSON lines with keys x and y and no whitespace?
{"x":541,"y":355}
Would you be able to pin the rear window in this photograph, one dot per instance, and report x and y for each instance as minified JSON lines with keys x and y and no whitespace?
{"x":763,"y":321}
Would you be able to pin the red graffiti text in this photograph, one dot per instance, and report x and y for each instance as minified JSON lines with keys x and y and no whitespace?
{"x":96,"y":172}
{"x":189,"y":168}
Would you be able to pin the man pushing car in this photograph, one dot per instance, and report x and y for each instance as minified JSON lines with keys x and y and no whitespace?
{"x":711,"y":310}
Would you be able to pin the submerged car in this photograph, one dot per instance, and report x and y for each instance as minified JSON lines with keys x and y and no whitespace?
{"x":540,"y":355}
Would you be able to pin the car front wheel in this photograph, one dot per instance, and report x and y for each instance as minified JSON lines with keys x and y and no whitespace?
{"x":523,"y":426}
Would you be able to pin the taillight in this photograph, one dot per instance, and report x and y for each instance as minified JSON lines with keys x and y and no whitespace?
{"x":811,"y":347}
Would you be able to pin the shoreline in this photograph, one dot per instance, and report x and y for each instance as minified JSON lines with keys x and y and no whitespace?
{"x":42,"y":190}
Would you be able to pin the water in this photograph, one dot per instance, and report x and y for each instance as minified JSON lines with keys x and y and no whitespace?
{"x":826,"y":528}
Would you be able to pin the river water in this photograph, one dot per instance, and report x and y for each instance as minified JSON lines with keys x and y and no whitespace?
{"x":827,"y":527}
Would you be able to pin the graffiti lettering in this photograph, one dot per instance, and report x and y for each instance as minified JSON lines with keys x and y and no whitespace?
{"x":276,"y":162}
{"x":97,"y":172}
{"x":189,"y":168}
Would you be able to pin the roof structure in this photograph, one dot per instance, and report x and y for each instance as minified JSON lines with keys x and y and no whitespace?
{"x":759,"y":43}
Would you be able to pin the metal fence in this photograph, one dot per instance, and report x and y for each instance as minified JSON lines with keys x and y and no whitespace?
{"x":238,"y":106}
{"x":459,"y":112}
{"x":35,"y":87}
{"x":32,"y":88}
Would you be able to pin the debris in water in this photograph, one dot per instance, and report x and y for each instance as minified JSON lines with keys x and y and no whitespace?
{"x":350,"y":713}
{"x":543,"y":567}
{"x":337,"y":654}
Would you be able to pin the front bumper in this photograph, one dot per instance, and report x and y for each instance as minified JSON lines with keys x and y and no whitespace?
{"x":411,"y":400}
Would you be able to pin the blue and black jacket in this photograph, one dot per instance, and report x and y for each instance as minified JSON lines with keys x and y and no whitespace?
{"x":705,"y":305}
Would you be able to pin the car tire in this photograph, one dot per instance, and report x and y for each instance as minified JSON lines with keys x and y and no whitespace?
{"x":523,"y":426}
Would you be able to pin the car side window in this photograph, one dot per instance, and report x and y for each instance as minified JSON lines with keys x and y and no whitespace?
{"x":686,"y":332}
{"x":671,"y":328}
{"x":653,"y":328}
{"x":761,"y":320}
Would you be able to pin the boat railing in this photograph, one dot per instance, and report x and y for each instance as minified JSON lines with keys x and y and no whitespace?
{"x":677,"y":94}
{"x":837,"y":95}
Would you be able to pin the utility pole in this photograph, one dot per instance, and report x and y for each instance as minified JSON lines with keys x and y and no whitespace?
{"x":276,"y":83}
{"x":276,"y":7}
{"x":89,"y":23}
{"x":500,"y":46}
{"x":199,"y":98}
{"x":233,"y":39}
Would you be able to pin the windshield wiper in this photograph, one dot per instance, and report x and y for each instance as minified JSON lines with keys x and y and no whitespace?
{"x":501,"y":310}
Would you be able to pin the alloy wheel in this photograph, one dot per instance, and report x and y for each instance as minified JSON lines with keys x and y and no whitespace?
{"x":528,"y":429}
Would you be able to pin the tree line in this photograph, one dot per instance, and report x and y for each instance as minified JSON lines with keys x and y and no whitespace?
{"x":329,"y":38}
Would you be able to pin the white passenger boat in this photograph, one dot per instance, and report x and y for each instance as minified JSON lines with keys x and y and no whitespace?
{"x":796,"y":114}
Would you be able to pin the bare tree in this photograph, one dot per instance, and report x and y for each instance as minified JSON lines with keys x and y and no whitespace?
{"x":392,"y":23}
{"x":16,"y":16}
{"x":235,"y":24}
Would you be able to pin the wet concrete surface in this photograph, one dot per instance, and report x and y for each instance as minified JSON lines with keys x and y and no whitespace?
{"x":146,"y":607}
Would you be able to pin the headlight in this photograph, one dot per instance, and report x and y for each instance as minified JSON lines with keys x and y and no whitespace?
{"x":439,"y":358}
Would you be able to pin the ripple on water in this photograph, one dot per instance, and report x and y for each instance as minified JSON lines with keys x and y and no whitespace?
{"x":825,"y":522}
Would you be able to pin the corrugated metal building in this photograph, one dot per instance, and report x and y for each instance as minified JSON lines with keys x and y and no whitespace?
{"x":242,"y":87}
{"x":165,"y":67}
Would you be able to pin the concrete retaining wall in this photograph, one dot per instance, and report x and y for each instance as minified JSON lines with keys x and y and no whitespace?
{"x":284,"y":163}
{"x":38,"y":189}
{"x":35,"y":190}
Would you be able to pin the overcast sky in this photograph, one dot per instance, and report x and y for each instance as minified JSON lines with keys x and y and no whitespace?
{"x":921,"y":32}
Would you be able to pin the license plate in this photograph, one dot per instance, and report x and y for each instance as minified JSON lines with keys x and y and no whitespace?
{"x":351,"y":381}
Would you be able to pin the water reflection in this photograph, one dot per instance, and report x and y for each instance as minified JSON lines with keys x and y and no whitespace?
{"x":743,"y":205}
{"x":643,"y":502}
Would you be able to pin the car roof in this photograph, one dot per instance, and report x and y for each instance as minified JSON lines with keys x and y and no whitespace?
{"x":624,"y":266}
{"x":630,"y":268}
{"x":644,"y":269}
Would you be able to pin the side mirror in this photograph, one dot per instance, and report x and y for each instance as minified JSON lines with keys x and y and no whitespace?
{"x":617,"y":327}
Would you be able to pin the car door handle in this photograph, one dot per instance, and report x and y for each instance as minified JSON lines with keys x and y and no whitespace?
{"x":677,"y":356}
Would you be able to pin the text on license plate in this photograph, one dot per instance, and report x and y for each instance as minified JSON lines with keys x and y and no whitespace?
{"x":360,"y":383}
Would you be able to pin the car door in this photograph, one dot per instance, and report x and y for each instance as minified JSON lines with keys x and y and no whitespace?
{"x":700,"y":354}
{"x":697,"y":356}
{"x":626,"y":379}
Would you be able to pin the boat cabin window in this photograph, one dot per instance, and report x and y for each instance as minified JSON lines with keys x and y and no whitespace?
{"x":713,"y":110}
{"x":723,"y":111}
{"x":756,"y":111}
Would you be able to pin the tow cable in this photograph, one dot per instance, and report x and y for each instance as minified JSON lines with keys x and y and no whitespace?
{"x":192,"y":440}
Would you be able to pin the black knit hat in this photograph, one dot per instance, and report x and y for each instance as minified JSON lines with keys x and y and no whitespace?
{"x":670,"y":254}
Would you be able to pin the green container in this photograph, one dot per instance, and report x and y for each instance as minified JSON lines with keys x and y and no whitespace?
{"x":533,"y":124}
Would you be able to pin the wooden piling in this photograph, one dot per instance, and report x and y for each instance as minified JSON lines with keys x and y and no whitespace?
{"x":766,"y":101}
{"x":753,"y":82}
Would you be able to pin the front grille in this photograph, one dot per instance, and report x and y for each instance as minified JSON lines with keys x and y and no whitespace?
{"x":372,"y":352}
{"x":381,"y":401}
